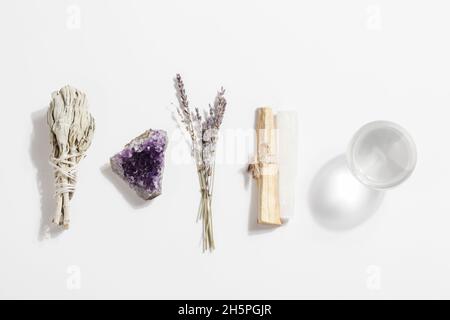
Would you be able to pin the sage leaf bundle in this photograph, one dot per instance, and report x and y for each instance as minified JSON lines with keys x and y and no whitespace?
{"x":71,"y":130}
{"x":203,"y":130}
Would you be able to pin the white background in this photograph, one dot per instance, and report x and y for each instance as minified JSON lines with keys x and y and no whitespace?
{"x":340,"y":64}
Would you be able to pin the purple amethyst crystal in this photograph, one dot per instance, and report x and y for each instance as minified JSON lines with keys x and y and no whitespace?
{"x":141,"y":163}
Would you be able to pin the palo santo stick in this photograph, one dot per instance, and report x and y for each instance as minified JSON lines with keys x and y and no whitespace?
{"x":265,"y":170}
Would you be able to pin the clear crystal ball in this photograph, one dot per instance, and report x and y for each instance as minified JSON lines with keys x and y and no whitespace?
{"x":382,"y":155}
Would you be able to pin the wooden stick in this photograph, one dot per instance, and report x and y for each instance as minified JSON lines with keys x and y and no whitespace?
{"x":267,"y":168}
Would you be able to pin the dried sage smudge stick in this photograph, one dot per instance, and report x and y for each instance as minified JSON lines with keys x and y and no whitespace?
{"x":203,"y":130}
{"x":71,"y":131}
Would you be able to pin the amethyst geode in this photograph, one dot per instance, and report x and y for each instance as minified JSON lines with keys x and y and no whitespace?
{"x":141,"y":163}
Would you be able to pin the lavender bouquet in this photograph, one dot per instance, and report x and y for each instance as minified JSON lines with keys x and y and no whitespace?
{"x":203,"y":130}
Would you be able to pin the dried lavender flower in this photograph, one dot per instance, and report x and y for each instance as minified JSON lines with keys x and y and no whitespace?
{"x":204,"y":134}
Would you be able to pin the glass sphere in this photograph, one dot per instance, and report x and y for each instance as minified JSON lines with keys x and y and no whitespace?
{"x":381,"y":155}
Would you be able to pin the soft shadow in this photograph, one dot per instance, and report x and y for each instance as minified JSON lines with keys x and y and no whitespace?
{"x":39,"y":151}
{"x":338,"y":200}
{"x":253,"y":207}
{"x":127,"y":193}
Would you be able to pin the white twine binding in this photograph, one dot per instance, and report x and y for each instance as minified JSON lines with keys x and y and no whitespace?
{"x":64,"y":167}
